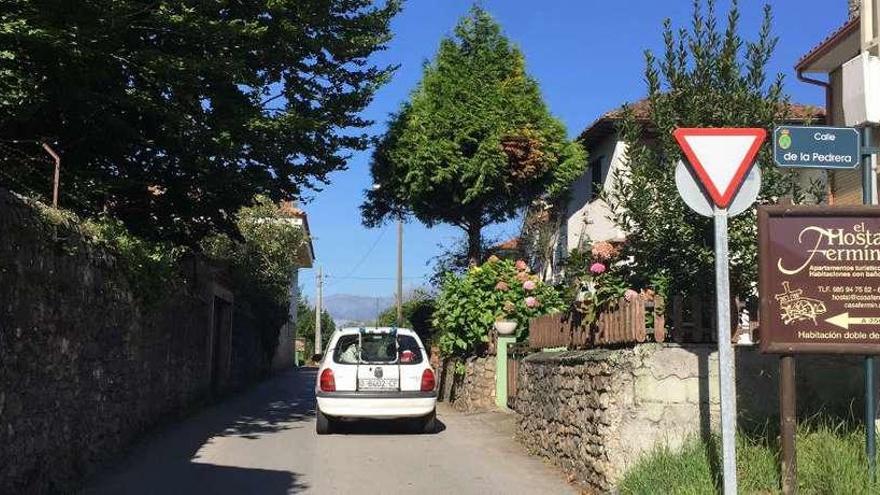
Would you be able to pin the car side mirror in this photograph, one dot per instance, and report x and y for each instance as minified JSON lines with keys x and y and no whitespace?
{"x":317,"y":357}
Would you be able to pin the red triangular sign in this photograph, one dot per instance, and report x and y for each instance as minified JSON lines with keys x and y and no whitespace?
{"x":720,"y":157}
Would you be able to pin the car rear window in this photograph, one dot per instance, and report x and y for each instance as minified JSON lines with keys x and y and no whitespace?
{"x":408,"y":350}
{"x":377,"y":348}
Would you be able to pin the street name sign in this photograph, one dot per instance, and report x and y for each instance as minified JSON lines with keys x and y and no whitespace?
{"x":816,"y":147}
{"x":720,"y":157}
{"x":819,"y":279}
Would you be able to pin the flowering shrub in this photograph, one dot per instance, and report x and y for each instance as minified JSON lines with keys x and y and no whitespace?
{"x":469,"y":305}
{"x":596,"y":279}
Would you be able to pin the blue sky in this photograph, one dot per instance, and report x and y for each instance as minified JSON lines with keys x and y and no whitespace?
{"x":587,"y":55}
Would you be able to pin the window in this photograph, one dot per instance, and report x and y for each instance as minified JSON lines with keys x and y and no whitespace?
{"x":346,"y":350}
{"x":597,"y":177}
{"x":408,"y":350}
{"x":377,"y":348}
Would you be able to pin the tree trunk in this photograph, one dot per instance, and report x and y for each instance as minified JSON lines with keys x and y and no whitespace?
{"x":474,"y":243}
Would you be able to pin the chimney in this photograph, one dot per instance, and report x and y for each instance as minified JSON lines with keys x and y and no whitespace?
{"x":854,"y":8}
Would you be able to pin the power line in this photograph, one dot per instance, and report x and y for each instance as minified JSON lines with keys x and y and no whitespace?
{"x":376,"y":278}
{"x":363,"y":258}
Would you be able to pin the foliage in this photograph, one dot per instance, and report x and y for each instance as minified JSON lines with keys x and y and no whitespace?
{"x":418,"y":311}
{"x":706,"y":78}
{"x":831,"y":460}
{"x":305,"y":326}
{"x":170,"y":115}
{"x":454,"y":258}
{"x":150,"y":268}
{"x":595,"y":279}
{"x":475,"y":142}
{"x":260,"y":263}
{"x":469,"y":305}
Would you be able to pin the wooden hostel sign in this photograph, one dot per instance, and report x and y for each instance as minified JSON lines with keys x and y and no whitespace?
{"x":819,"y":279}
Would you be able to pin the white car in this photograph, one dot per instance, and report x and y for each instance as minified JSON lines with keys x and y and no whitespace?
{"x":375,"y":373}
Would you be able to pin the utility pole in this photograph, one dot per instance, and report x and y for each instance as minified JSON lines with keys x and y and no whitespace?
{"x":399,"y":271}
{"x":319,"y":302}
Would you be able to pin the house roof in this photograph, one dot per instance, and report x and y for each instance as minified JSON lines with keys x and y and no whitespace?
{"x":511,"y":244}
{"x":289,"y":209}
{"x":607,"y":123}
{"x":838,"y":47}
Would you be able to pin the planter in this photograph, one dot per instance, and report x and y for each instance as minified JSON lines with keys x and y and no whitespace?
{"x":505,"y":327}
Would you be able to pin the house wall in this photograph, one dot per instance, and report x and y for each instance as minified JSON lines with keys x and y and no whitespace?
{"x":846,"y":185}
{"x":285,"y":352}
{"x":586,"y":220}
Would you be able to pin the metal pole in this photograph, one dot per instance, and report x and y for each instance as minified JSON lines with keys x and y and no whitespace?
{"x":727,"y":371}
{"x":57,"y":178}
{"x":293,"y":298}
{"x":870,"y":408}
{"x":318,"y":309}
{"x":399,"y":272}
{"x":788,"y":423}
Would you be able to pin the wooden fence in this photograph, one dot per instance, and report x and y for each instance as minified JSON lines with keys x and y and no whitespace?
{"x":639,"y":320}
{"x":627,"y":323}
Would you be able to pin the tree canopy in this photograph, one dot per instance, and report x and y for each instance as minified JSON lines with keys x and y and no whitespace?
{"x":172,"y":115}
{"x":708,"y":77}
{"x":475,"y":142}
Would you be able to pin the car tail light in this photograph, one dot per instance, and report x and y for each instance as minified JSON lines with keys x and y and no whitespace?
{"x":428,"y":381}
{"x":328,"y":383}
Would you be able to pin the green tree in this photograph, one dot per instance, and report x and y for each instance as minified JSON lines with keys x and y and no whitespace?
{"x":418,"y":310}
{"x":170,"y":115}
{"x":708,"y":77}
{"x":305,"y":325}
{"x":260,"y":262}
{"x":475,"y":143}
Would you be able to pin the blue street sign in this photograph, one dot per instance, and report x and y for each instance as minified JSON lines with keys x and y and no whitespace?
{"x":816,"y":147}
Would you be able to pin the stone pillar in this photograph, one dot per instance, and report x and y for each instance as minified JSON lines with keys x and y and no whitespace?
{"x":501,"y":369}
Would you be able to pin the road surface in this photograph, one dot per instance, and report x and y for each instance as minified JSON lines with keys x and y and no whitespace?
{"x":264,"y":442}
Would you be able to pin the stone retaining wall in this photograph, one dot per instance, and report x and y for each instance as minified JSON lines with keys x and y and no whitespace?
{"x":594,"y":413}
{"x":85,"y":367}
{"x":472,"y":391}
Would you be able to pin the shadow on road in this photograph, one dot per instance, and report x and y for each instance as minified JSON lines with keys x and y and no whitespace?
{"x":379,"y":427}
{"x":169,"y":461}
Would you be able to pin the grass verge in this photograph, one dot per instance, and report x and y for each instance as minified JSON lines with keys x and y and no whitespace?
{"x":830,"y":459}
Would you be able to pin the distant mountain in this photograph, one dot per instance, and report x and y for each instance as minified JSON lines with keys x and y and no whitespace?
{"x":350,"y":308}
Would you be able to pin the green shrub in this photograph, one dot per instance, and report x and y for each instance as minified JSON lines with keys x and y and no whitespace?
{"x":469,"y":305}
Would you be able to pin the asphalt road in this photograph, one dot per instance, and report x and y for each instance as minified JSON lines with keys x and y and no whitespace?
{"x":264,"y":442}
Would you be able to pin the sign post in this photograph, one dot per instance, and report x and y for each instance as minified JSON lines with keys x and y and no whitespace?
{"x":870,"y":407}
{"x":721,"y":158}
{"x":833,"y":148}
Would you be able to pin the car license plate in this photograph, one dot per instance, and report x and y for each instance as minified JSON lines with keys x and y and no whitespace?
{"x":378,"y":384}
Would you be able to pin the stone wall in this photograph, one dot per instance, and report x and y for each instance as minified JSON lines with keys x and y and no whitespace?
{"x":472,"y":391}
{"x":596,"y":412}
{"x":85,"y":366}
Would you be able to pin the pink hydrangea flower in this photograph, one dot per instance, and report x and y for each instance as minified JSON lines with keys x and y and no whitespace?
{"x":529,"y":285}
{"x":597,"y":268}
{"x":502,"y":286}
{"x":603,"y":250}
{"x":630,"y":295}
{"x":532,"y":302}
{"x":521,"y":265}
{"x":522,"y":276}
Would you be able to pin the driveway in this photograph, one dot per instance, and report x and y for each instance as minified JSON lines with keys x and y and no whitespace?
{"x":264,"y":442}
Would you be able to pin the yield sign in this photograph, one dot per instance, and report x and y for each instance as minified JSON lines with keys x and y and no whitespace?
{"x":720,"y":157}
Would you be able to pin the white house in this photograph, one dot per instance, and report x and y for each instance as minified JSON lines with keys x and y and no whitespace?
{"x":586,"y":218}
{"x":285,"y":353}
